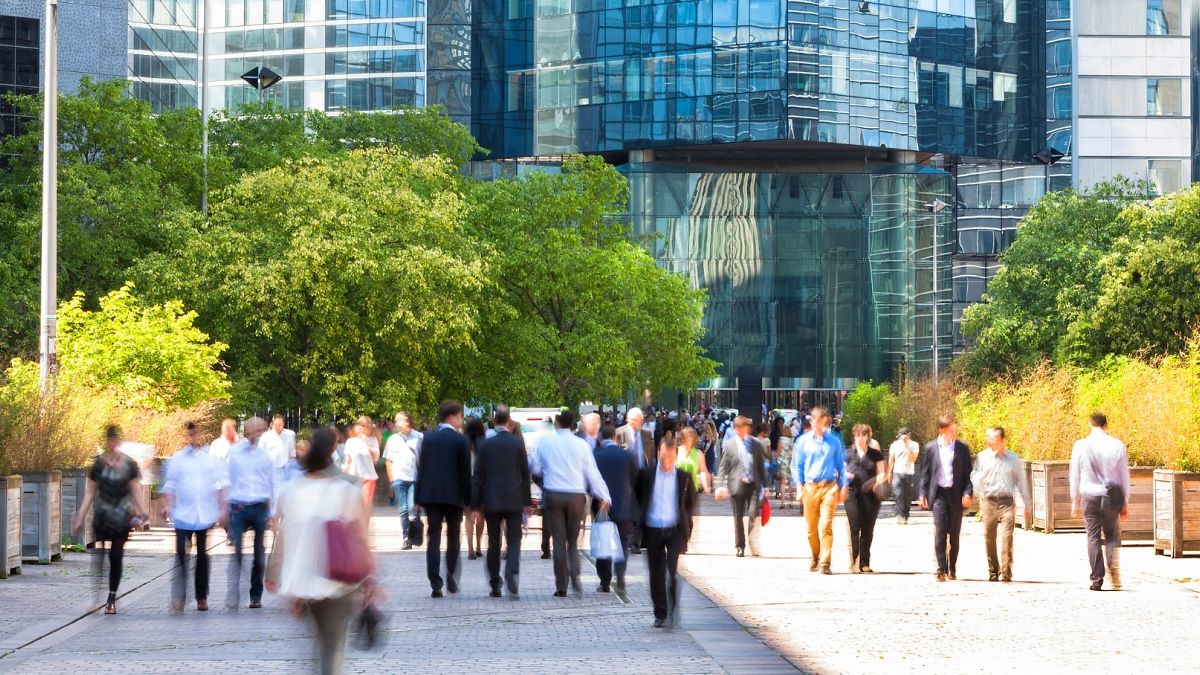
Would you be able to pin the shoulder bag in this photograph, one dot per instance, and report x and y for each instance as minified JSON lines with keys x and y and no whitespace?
{"x":348,"y":556}
{"x":1114,"y":496}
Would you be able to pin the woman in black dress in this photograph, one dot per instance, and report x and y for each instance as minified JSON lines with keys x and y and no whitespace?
{"x":864,"y":464}
{"x":113,"y":488}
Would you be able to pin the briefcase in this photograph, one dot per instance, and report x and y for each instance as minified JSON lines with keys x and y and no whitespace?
{"x":416,"y":532}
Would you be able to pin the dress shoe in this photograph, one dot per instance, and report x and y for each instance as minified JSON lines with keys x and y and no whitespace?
{"x":452,"y":585}
{"x":993,"y":577}
{"x":560,"y":594}
{"x":635,"y":550}
{"x":437,"y":593}
{"x":866,"y":570}
{"x":741,"y":553}
{"x":471,"y":555}
{"x":545,"y":556}
{"x":813,"y":567}
{"x":255,"y":604}
{"x":495,"y":593}
{"x":604,"y":589}
{"x":659,"y":623}
{"x":177,"y":607}
{"x":201,"y":605}
{"x":952,"y":575}
{"x":941,"y":576}
{"x":1095,"y":586}
{"x":825,"y":570}
{"x":406,"y":547}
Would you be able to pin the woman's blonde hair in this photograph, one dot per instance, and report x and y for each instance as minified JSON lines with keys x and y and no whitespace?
{"x":688,"y":436}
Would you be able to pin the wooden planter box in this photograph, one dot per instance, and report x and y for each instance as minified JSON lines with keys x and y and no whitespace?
{"x":156,"y":512}
{"x":41,"y":517}
{"x":1023,"y":513}
{"x":74,"y":487}
{"x":1050,"y":488}
{"x":1176,"y":512}
{"x":10,"y":525}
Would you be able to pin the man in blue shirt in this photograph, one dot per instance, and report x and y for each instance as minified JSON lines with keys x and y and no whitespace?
{"x":819,"y":468}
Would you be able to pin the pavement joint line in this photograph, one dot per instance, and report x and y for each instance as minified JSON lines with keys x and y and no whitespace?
{"x":173,"y":566}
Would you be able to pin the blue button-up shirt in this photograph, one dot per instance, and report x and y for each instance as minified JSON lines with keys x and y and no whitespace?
{"x":819,"y":459}
{"x":664,"y":503}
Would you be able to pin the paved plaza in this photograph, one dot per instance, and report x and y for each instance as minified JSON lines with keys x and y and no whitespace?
{"x":761,"y":615}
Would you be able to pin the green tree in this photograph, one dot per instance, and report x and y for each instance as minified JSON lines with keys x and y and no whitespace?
{"x":873,"y":404}
{"x":149,"y":356}
{"x":339,"y":282}
{"x":583,"y":313}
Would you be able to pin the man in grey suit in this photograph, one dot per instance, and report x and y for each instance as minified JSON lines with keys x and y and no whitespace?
{"x":639,"y":442}
{"x":742,"y":477}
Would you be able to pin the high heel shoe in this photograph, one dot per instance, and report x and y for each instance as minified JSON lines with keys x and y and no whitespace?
{"x":110,"y":607}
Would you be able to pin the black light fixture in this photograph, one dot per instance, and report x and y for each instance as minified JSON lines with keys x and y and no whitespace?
{"x":261,"y":77}
{"x":864,"y":7}
{"x":1048,"y":156}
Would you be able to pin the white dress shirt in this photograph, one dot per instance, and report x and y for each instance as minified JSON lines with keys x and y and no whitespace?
{"x":273,"y":444}
{"x":402,"y":451}
{"x":945,"y":465}
{"x":253,"y":476}
{"x":194,"y":478}
{"x":664,"y":503}
{"x":566,"y":464}
{"x":289,"y":442}
{"x":1096,"y":461}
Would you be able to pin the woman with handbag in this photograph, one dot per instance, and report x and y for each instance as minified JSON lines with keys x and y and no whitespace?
{"x":865,"y":469}
{"x":114,"y":487}
{"x":321,"y":557}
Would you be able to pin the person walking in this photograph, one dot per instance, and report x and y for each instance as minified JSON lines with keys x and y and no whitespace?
{"x":194,"y":486}
{"x":999,"y":477}
{"x":501,"y":493}
{"x":221,"y":445}
{"x":280,"y":437}
{"x":619,"y":469}
{"x":306,"y":507}
{"x":636,"y":438}
{"x":568,"y":471}
{"x":1100,"y":490}
{"x":589,"y":429}
{"x":114,"y":489}
{"x":819,"y":468}
{"x":902,"y":466}
{"x":443,"y":488}
{"x":742,"y":477}
{"x":361,"y":453}
{"x":864,"y":467}
{"x":254,"y":486}
{"x":400,"y":459}
{"x":945,"y":488}
{"x":473,"y":521}
{"x":670,"y":499}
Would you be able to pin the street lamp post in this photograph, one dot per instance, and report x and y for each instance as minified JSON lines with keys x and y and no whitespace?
{"x":935,"y":207}
{"x":48,"y":326}
{"x":1046,"y":157}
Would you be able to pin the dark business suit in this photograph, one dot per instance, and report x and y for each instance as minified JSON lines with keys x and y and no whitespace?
{"x":442,"y":489}
{"x":946,"y":503}
{"x":664,"y":544}
{"x":619,"y":470}
{"x":501,"y":491}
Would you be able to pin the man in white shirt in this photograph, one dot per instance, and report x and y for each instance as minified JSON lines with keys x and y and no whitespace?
{"x":254,"y":485}
{"x":1100,"y":489}
{"x":400,"y":457}
{"x":219,"y":448}
{"x":195,"y":490}
{"x":274,"y":443}
{"x":902,"y":468}
{"x":998,"y":479}
{"x":568,"y":470}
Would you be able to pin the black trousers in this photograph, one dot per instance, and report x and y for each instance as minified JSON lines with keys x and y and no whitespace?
{"x":947,"y":525}
{"x":511,"y":523}
{"x":1101,"y":524}
{"x":116,"y":559}
{"x":563,"y":513}
{"x":745,"y":503}
{"x":662,"y":557}
{"x":437,"y":515}
{"x":183,"y":542}
{"x":862,"y":510}
{"x":605,"y":568}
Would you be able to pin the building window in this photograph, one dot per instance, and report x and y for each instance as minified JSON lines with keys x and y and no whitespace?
{"x":19,"y":47}
{"x":1164,"y":97}
{"x":1166,"y":175}
{"x":1163,"y":17}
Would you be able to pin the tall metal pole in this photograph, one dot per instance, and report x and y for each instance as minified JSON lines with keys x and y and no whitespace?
{"x":935,"y":300}
{"x":49,"y":305}
{"x":204,"y":103}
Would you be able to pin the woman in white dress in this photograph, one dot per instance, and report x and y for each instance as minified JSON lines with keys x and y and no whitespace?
{"x":362,"y":451}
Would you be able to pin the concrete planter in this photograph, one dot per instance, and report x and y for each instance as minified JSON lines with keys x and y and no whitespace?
{"x":1176,"y":512}
{"x":41,"y":517}
{"x":74,"y":487}
{"x":10,"y":526}
{"x":1050,"y":485}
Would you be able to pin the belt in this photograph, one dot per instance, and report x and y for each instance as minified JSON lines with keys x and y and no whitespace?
{"x":999,"y":498}
{"x":242,"y":505}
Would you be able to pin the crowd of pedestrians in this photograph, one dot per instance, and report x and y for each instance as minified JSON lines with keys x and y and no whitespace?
{"x":643,"y":473}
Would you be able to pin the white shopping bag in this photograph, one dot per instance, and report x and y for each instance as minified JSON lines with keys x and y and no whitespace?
{"x":606,"y":539}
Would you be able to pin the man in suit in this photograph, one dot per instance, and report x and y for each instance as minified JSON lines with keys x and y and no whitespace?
{"x":501,"y":491}
{"x":443,"y":488}
{"x":742,"y":476}
{"x":945,"y":478}
{"x":639,"y":442}
{"x":619,"y":470}
{"x":589,"y":429}
{"x":668,"y":498}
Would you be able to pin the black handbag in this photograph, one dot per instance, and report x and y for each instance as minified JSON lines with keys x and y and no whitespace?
{"x":1114,"y":497}
{"x":416,"y":532}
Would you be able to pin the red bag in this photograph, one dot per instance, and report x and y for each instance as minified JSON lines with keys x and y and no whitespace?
{"x":347,"y":554}
{"x":765,"y":511}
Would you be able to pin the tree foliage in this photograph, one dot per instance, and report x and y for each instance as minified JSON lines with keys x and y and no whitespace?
{"x":873,"y":404}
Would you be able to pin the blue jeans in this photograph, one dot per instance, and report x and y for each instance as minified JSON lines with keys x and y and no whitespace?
{"x":903,"y":491}
{"x":405,"y":492}
{"x":248,"y":517}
